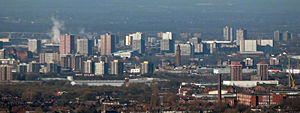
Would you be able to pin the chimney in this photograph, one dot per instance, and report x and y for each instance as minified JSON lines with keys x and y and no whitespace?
{"x":219,"y":89}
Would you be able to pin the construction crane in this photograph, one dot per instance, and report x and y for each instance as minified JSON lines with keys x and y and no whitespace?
{"x":291,"y":79}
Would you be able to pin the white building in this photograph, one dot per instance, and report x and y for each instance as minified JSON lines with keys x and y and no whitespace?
{"x":241,"y":34}
{"x":186,"y":49}
{"x":266,"y":43}
{"x":248,"y":46}
{"x":247,"y":84}
{"x":228,"y":33}
{"x":34,"y":45}
{"x":101,"y":68}
{"x":134,"y":36}
{"x":89,"y":66}
{"x":199,"y":48}
{"x":167,"y":36}
{"x":49,"y":57}
{"x":137,"y":70}
{"x":124,"y":54}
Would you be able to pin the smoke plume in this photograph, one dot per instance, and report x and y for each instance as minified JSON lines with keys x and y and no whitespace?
{"x":57,"y":26}
{"x":84,"y":34}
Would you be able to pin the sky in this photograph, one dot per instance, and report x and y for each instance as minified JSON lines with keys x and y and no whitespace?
{"x":206,"y":16}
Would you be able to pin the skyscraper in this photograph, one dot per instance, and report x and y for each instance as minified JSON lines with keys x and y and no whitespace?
{"x":195,"y":40}
{"x":128,"y":40}
{"x":178,"y":56}
{"x":34,"y":45}
{"x":107,"y":44}
{"x":138,"y":42}
{"x":167,"y":45}
{"x":66,"y":61}
{"x":5,"y":72}
{"x":262,"y":70}
{"x":186,"y":49}
{"x":167,"y":36}
{"x":77,"y":62}
{"x":277,"y":35}
{"x":199,"y":48}
{"x":84,"y":46}
{"x":146,"y":67}
{"x":116,"y":67}
{"x":286,"y":36}
{"x":67,"y":44}
{"x":101,"y":68}
{"x":89,"y":67}
{"x":241,"y":34}
{"x":196,"y":44}
{"x":49,"y":57}
{"x":212,"y":47}
{"x":236,"y":72}
{"x":228,"y":33}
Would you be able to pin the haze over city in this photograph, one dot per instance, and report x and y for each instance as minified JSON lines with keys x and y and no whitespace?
{"x":150,"y":56}
{"x":261,"y":17}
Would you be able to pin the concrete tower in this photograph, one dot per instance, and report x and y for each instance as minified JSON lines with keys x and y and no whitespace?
{"x":236,"y":71}
{"x":178,"y":57}
{"x":262,"y":70}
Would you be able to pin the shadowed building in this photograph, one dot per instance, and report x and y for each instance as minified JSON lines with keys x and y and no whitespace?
{"x":228,"y":33}
{"x":67,"y":44}
{"x":236,"y":71}
{"x":34,"y":45}
{"x":107,"y":45}
{"x":146,"y":67}
{"x":241,"y":34}
{"x":138,"y":43}
{"x":277,"y":35}
{"x":89,"y":67}
{"x":5,"y":72}
{"x":84,"y":46}
{"x":116,"y":67}
{"x":178,"y":56}
{"x":262,"y":70}
{"x":101,"y":68}
{"x":286,"y":36}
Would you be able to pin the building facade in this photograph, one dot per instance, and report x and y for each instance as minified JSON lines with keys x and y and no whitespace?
{"x":34,"y":45}
{"x":107,"y":44}
{"x":146,"y":67}
{"x":138,"y":43}
{"x":101,"y":68}
{"x":277,"y":35}
{"x":262,"y":70}
{"x":241,"y":34}
{"x":84,"y":46}
{"x":5,"y":73}
{"x":186,"y":49}
{"x":228,"y":33}
{"x":67,"y":44}
{"x":236,"y":72}
{"x":89,"y":67}
{"x":116,"y":67}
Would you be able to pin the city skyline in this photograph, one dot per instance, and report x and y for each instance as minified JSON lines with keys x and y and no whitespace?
{"x":156,"y":56}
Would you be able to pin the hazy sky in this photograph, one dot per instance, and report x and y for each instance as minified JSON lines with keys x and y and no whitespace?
{"x":150,"y":15}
